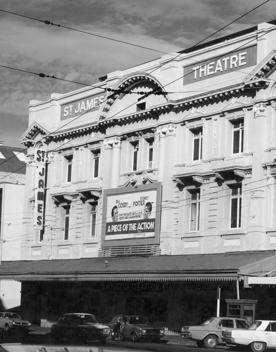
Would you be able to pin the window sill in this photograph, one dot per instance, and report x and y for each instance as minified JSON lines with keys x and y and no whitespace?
{"x":191,"y":235}
{"x":87,"y":242}
{"x":236,"y":232}
{"x":238,"y":155}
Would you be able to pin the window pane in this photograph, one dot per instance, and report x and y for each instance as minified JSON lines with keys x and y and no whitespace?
{"x":196,"y":149}
{"x":227,"y":323}
{"x":135,"y":157}
{"x":193,"y":217}
{"x":66,"y":223}
{"x":236,"y":141}
{"x":96,"y":165}
{"x":234,"y":208}
{"x":93,"y":224}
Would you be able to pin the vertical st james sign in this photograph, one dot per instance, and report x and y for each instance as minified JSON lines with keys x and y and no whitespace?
{"x":41,"y":164}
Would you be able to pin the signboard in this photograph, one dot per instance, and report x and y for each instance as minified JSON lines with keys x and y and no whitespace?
{"x":81,"y":106}
{"x":233,"y":61}
{"x":131,"y":214}
{"x":40,"y":160}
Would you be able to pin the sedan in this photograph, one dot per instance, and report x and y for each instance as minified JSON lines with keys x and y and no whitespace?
{"x":136,"y":328}
{"x":80,"y":326}
{"x":209,"y":333}
{"x":10,"y":321}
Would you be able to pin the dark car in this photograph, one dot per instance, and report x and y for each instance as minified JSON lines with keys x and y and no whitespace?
{"x":79,"y":326}
{"x":11,"y":322}
{"x":135,"y":328}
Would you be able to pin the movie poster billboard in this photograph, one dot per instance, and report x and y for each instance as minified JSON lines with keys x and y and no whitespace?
{"x":131,"y":214}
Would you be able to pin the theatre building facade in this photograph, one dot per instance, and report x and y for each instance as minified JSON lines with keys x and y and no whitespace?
{"x":151,"y":188}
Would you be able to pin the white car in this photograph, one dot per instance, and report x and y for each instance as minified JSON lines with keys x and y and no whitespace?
{"x":260,"y":336}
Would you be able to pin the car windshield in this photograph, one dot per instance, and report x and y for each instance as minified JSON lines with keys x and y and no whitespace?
{"x":81,"y":319}
{"x":137,"y":319}
{"x":206,"y":322}
{"x":255,"y":325}
{"x":12,"y":315}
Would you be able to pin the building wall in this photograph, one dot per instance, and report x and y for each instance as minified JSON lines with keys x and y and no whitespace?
{"x":12,"y":208}
{"x":197,"y":195}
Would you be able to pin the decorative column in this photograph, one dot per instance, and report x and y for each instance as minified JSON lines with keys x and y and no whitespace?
{"x":167,"y":158}
{"x":257,"y":194}
{"x":116,"y":162}
{"x":111,"y":162}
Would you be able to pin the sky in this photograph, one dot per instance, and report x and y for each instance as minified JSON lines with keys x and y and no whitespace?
{"x":166,"y":26}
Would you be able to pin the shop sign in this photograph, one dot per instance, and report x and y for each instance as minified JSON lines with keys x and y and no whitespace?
{"x":41,"y":164}
{"x":131,"y":215}
{"x":81,"y":106}
{"x":233,"y":61}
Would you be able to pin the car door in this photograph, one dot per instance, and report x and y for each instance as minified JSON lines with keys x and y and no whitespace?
{"x":270,"y":335}
{"x":225,"y":324}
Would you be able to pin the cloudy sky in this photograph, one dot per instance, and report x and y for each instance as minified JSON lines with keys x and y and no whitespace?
{"x":163,"y":25}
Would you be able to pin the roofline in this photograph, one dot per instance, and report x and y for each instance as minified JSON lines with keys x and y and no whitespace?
{"x":220,"y":39}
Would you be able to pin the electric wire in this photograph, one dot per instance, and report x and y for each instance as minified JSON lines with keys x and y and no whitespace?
{"x":50,"y":23}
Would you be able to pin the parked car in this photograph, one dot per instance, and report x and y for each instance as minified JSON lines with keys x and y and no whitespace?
{"x":209,"y":333}
{"x":136,"y":328}
{"x":80,"y":326}
{"x":260,"y":336}
{"x":10,"y":321}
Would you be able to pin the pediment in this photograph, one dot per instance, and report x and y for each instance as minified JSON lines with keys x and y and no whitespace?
{"x":34,"y":133}
{"x":131,"y":90}
{"x":264,"y":69}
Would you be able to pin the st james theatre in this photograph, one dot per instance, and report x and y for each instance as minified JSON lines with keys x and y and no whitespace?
{"x":151,"y":189}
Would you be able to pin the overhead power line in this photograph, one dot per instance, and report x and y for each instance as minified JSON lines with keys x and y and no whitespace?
{"x":58,"y":25}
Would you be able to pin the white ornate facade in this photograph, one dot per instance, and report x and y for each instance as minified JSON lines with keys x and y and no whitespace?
{"x":201,"y":123}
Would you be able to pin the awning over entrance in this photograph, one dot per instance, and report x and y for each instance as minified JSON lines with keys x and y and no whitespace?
{"x":196,"y":267}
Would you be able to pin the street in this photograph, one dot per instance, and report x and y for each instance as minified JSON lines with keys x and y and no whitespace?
{"x":39,"y":340}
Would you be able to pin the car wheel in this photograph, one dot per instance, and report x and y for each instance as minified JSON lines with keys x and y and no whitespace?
{"x":103,"y":341}
{"x":211,"y":341}
{"x":258,"y":346}
{"x":133,"y":337}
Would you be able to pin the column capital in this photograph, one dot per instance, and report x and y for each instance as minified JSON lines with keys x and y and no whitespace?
{"x":166,"y":130}
{"x":112,"y":142}
{"x":259,"y":109}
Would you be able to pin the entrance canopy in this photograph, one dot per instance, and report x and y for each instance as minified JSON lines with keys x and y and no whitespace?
{"x":196,"y":267}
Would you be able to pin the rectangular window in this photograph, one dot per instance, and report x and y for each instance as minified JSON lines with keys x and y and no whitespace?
{"x":135,"y":156}
{"x":195,"y":210}
{"x":150,"y":154}
{"x":93,"y":218}
{"x":197,"y":144}
{"x":69,"y":159}
{"x":235,"y":206}
{"x":96,"y":163}
{"x":238,"y":136}
{"x":66,"y":221}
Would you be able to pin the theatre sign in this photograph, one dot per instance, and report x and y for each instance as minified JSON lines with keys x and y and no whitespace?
{"x":131,"y":213}
{"x":231,"y":61}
